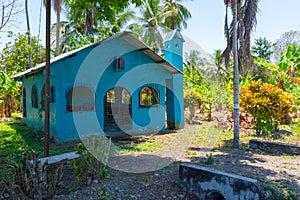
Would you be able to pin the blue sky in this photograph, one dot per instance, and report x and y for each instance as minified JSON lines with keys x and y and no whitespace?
{"x":206,"y":26}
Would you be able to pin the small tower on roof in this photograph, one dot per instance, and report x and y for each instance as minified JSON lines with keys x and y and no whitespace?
{"x":173,"y":50}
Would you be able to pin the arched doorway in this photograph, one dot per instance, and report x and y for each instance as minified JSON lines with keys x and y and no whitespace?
{"x":117,"y":110}
{"x":214,"y":195}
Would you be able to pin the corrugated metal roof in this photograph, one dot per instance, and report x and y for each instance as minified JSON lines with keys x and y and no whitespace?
{"x":128,"y":36}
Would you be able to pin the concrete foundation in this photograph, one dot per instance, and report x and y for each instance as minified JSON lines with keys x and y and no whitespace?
{"x":275,"y":147}
{"x":209,"y":184}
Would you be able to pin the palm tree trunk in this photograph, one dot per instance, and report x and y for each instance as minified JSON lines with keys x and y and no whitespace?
{"x":57,"y":32}
{"x":236,"y":129}
{"x":28,"y":30}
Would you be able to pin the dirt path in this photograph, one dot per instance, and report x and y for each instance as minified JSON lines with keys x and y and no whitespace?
{"x":162,"y":183}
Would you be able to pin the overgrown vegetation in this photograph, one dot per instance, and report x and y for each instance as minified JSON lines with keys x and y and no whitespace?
{"x":23,"y":176}
{"x":91,"y":164}
{"x":280,"y":191}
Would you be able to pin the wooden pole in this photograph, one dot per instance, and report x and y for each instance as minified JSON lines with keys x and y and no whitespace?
{"x":47,"y":81}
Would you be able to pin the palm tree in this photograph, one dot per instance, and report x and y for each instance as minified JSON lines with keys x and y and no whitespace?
{"x":28,"y":30}
{"x":175,"y":14}
{"x":236,"y":100}
{"x":149,"y":27}
{"x":157,"y":18}
{"x":193,"y":58}
{"x":121,"y":20}
{"x":85,"y":21}
{"x":57,"y":5}
{"x":238,"y":42}
{"x":246,"y":21}
{"x":86,"y":28}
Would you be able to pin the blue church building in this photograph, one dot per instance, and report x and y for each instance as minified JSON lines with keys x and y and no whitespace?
{"x":115,"y":86}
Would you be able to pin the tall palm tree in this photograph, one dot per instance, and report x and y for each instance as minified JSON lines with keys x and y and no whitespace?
{"x":236,"y":93}
{"x":85,"y":20}
{"x":238,"y":42}
{"x":87,"y":28}
{"x":175,"y":14}
{"x":28,"y":30}
{"x":121,"y":20}
{"x":57,"y":5}
{"x":246,"y":21}
{"x":157,"y":18}
{"x":150,"y":27}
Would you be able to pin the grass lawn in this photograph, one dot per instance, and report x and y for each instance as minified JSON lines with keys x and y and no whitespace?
{"x":16,"y":138}
{"x":208,"y":136}
{"x":289,"y":133}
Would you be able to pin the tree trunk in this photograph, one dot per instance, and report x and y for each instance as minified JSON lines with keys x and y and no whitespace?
{"x":28,"y":30}
{"x":8,"y":105}
{"x":2,"y":106}
{"x":57,"y":32}
{"x":236,"y":129}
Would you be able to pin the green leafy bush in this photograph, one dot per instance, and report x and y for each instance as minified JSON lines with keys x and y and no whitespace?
{"x":87,"y":167}
{"x":209,"y":159}
{"x":267,"y":103}
{"x":192,"y":101}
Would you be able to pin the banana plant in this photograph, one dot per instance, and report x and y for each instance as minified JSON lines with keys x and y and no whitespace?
{"x":287,"y":70}
{"x":8,"y":90}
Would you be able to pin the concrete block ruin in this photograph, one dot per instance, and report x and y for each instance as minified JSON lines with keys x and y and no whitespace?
{"x":210,"y":184}
{"x":277,"y":147}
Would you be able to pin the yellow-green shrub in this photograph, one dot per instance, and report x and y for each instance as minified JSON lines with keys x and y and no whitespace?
{"x":192,"y":100}
{"x":267,"y":103}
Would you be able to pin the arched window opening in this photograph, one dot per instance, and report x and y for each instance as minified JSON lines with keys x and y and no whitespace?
{"x":34,"y":98}
{"x":24,"y":104}
{"x":43,"y":95}
{"x":120,"y":64}
{"x":149,"y":97}
{"x":214,"y":195}
{"x":52,"y":100}
{"x":79,"y":99}
{"x":110,"y":96}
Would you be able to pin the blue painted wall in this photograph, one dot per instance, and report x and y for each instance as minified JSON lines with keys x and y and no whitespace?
{"x":35,"y":116}
{"x":175,"y":101}
{"x":94,"y":68}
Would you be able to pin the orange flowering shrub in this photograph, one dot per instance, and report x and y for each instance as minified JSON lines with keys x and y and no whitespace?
{"x":267,"y":103}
